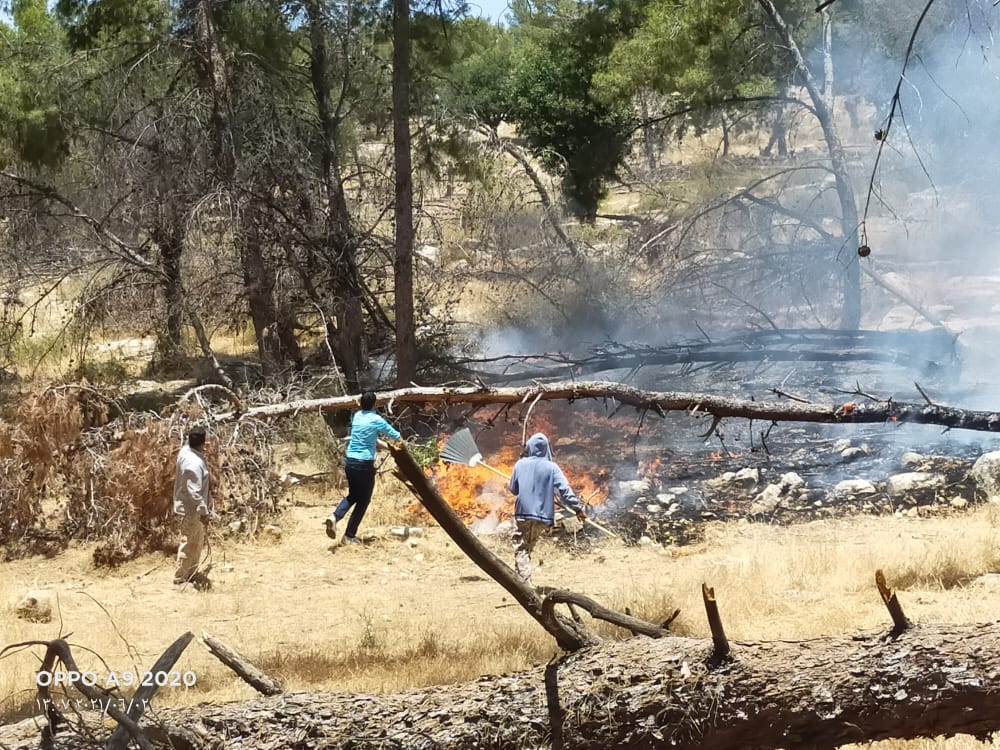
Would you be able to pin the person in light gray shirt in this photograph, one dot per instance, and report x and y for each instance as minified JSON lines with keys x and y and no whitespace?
{"x":191,"y":485}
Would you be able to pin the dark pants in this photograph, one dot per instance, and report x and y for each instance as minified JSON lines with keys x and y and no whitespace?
{"x":360,"y":485}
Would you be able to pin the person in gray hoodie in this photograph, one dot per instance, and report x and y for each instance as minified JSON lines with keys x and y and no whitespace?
{"x":535,"y":480}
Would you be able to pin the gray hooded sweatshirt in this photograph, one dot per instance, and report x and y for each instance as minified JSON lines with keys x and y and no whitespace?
{"x":536,"y":480}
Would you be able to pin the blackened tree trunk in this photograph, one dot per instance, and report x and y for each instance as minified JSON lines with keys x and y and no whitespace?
{"x":406,"y":347}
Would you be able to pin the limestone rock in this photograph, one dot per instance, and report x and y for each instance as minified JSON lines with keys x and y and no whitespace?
{"x":914,"y":481}
{"x":911,"y":460}
{"x":850,"y":487}
{"x":767,"y":501}
{"x":986,"y":474}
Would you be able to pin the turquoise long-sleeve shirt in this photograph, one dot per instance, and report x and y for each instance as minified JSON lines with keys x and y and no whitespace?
{"x":366,"y":426}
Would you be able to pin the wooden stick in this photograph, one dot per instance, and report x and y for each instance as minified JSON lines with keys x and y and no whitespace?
{"x":899,"y":620}
{"x":251,"y":674}
{"x":121,"y":737}
{"x":719,"y":639}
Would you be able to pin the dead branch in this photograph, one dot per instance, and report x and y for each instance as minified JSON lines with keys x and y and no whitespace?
{"x":658,"y":401}
{"x":128,"y":727}
{"x":255,"y":677}
{"x":599,"y":612}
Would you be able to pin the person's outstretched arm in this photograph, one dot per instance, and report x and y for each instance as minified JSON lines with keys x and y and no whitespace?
{"x":567,"y":497}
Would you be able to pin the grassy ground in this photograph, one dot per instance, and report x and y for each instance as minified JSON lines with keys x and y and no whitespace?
{"x":393,"y":615}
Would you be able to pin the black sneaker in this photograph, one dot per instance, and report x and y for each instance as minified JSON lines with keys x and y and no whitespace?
{"x":331,"y":527}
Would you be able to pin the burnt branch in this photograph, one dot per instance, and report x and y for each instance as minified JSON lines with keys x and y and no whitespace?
{"x":720,"y":643}
{"x":891,"y":601}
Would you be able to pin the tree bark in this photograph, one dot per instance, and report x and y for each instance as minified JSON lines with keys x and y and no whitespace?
{"x":348,"y":334}
{"x":657,"y":401}
{"x":406,"y":343}
{"x":645,"y":693}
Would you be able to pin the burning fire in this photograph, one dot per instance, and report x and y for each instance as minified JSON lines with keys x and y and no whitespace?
{"x":474,"y":491}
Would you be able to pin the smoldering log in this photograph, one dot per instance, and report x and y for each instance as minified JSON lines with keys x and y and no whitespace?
{"x":646,"y":693}
{"x":660,"y":402}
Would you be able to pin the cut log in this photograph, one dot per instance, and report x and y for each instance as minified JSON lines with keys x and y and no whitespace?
{"x":656,"y":401}
{"x":649,"y":693}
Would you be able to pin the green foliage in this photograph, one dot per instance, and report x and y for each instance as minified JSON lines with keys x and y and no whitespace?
{"x":424,"y":452}
{"x":478,"y":80}
{"x":696,"y":52}
{"x":575,"y":134}
{"x":90,"y":23}
{"x":32,"y":126}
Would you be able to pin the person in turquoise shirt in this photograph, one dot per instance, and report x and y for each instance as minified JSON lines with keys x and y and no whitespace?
{"x":367,"y":426}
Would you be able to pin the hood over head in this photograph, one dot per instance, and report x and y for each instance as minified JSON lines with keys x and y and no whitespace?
{"x":538,"y":446}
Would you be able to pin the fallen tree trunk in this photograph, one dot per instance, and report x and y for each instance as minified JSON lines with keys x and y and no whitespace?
{"x":644,"y":693}
{"x":656,"y":401}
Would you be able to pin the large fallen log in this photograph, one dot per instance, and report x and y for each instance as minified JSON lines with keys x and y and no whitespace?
{"x":660,"y":402}
{"x":643,"y":693}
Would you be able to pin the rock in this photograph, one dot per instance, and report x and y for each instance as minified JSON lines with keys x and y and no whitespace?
{"x":986,"y":474}
{"x":236,"y":527}
{"x":665,"y":498}
{"x":415,"y":531}
{"x":852,"y":454}
{"x":674,"y":507}
{"x":958,"y":502}
{"x":914,"y":481}
{"x":841,"y":445}
{"x":645,"y":541}
{"x":419,"y":557}
{"x":767,"y":501}
{"x":991,"y":580}
{"x":35,"y":606}
{"x":791,"y":482}
{"x":653,"y":508}
{"x":569,"y":524}
{"x":911,"y":459}
{"x":629,"y":488}
{"x":851,"y":487}
{"x":747,"y":477}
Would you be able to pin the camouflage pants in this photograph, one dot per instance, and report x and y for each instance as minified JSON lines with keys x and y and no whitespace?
{"x":526,"y":535}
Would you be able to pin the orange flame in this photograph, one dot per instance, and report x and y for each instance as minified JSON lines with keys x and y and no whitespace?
{"x":475,"y":492}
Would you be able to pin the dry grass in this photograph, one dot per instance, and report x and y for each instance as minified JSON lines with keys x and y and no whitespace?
{"x":389,"y":616}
